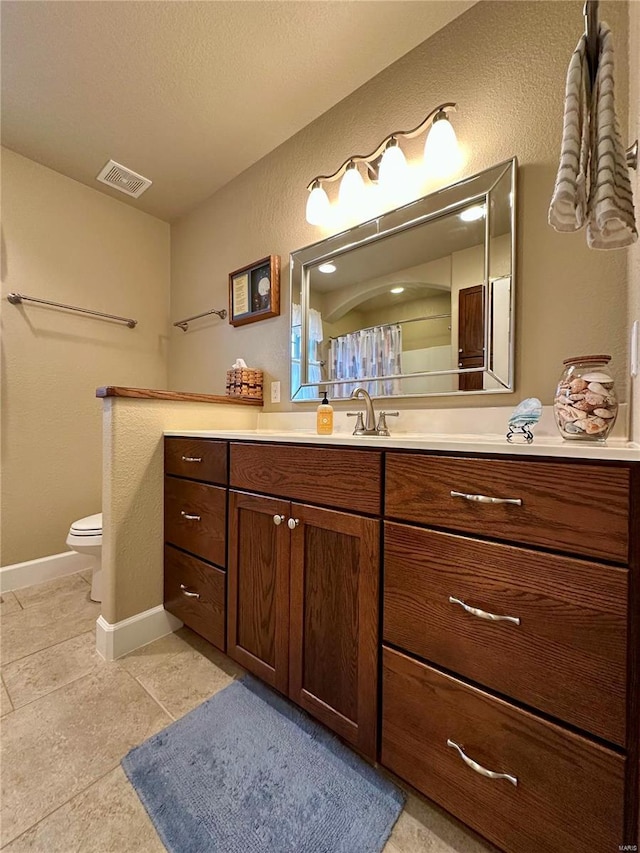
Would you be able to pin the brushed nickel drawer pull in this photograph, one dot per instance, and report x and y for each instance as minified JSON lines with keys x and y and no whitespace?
{"x":482,"y":614}
{"x":192,"y":458}
{"x":278,"y":519}
{"x":484,"y":499}
{"x":189,"y":517}
{"x":188,"y":593}
{"x":479,"y":768}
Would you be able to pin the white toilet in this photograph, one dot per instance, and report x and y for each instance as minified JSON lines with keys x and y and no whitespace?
{"x":85,"y":537}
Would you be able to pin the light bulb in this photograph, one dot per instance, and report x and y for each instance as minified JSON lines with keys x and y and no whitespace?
{"x":472,"y":214}
{"x":351,"y":192}
{"x":318,"y":207}
{"x":394,"y":172}
{"x":441,"y":152}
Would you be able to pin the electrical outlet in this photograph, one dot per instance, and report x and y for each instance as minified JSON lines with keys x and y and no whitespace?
{"x":275,"y":392}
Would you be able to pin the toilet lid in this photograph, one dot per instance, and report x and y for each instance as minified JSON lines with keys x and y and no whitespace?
{"x":89,"y":526}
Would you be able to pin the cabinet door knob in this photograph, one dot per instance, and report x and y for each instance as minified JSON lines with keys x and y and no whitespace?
{"x":490,"y":774}
{"x":188,"y":593}
{"x":278,"y":519}
{"x":293,"y":523}
{"x":189,"y":516}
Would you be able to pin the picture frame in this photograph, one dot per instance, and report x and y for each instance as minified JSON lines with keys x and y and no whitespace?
{"x":254,"y":291}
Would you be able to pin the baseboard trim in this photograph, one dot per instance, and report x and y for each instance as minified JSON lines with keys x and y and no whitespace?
{"x":19,"y":575}
{"x":114,"y":641}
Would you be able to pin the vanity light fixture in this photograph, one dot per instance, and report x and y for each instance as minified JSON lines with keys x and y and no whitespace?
{"x":472,"y":214}
{"x":327,"y":268}
{"x":387,"y":165}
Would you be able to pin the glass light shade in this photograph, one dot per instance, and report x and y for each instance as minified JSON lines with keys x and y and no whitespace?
{"x":318,"y":207}
{"x":351,"y":192}
{"x":394,"y":172}
{"x":441,"y":153}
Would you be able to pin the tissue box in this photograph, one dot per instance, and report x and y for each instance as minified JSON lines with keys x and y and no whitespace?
{"x":244,"y":382}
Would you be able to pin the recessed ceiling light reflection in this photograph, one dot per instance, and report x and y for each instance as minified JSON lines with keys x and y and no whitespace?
{"x":327,"y":268}
{"x":397,"y":290}
{"x":471,"y":214}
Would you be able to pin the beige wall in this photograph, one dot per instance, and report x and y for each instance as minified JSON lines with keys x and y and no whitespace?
{"x":505,"y":64}
{"x":132,"y":546}
{"x":634,"y":252}
{"x":65,"y":242}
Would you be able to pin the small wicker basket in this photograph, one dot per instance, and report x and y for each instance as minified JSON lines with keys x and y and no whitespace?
{"x":244,"y":382}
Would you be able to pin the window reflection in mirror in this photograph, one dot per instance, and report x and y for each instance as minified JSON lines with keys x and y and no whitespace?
{"x":423,"y":310}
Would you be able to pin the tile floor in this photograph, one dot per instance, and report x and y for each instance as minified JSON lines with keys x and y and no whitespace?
{"x":68,"y":717}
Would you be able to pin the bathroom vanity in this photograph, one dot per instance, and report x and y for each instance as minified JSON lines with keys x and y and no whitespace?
{"x":467,"y":619}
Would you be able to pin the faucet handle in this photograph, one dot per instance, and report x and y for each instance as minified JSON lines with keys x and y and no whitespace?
{"x":359,"y":427}
{"x":382,"y":428}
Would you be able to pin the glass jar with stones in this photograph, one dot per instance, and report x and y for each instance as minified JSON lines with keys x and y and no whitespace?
{"x":585,"y":404}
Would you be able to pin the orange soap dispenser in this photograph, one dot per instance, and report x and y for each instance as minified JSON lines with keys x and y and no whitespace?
{"x":324,"y":424}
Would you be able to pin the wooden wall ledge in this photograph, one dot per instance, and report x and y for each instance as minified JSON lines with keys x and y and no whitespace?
{"x":153,"y":394}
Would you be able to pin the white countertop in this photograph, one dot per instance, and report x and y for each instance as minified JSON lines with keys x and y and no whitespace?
{"x":612,"y":450}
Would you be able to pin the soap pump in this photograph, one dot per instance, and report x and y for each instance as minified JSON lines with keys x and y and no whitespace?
{"x":325,"y":417}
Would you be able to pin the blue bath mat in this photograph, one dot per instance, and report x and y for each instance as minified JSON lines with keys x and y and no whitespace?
{"x":247,"y":772}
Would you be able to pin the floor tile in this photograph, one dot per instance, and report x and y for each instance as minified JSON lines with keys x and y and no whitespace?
{"x":40,"y":673}
{"x":45,"y":624}
{"x":87,"y":575}
{"x":177,"y":675}
{"x":106,"y":818}
{"x":56,"y":747}
{"x":424,"y":828}
{"x":5,"y":702}
{"x":8,"y":603}
{"x":50,"y":590}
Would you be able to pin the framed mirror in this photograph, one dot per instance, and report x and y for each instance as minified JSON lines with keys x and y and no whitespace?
{"x":419,"y":301}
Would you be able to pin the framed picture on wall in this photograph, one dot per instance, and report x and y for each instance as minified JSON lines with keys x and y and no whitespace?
{"x":254,"y":291}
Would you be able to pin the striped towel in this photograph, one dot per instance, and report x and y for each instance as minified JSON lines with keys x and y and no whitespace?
{"x":568,"y":209}
{"x":592,"y":186}
{"x":610,"y":219}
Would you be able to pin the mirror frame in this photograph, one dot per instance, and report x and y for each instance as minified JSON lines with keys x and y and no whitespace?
{"x":443,"y":202}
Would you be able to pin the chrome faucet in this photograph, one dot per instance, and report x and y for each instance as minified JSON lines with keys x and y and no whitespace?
{"x":369,"y":426}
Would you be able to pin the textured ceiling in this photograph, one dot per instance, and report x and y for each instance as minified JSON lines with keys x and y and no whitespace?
{"x":189,"y":94}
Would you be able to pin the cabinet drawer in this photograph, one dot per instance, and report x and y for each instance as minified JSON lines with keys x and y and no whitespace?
{"x":567,"y":656}
{"x":195,"y":518}
{"x":195,"y":593}
{"x":345,"y":479}
{"x":569,"y":794}
{"x":196,"y":458}
{"x":582,"y":509}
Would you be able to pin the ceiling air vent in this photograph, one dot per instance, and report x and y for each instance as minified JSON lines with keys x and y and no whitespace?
{"x":120,"y":178}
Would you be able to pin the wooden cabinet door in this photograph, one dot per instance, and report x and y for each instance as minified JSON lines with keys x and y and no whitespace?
{"x":333,"y":663}
{"x":258,"y":587}
{"x":471,"y":341}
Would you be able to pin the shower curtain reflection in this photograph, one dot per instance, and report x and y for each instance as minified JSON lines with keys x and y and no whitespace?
{"x":367,"y":353}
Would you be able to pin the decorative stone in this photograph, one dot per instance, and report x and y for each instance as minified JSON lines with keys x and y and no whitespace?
{"x":597,"y":377}
{"x":525,"y":415}
{"x":595,"y":425}
{"x":594,"y":400}
{"x":604,"y":413}
{"x":597,"y":388}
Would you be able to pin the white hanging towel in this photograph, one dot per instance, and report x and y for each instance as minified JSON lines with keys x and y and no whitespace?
{"x":611,"y":220}
{"x":568,"y":209}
